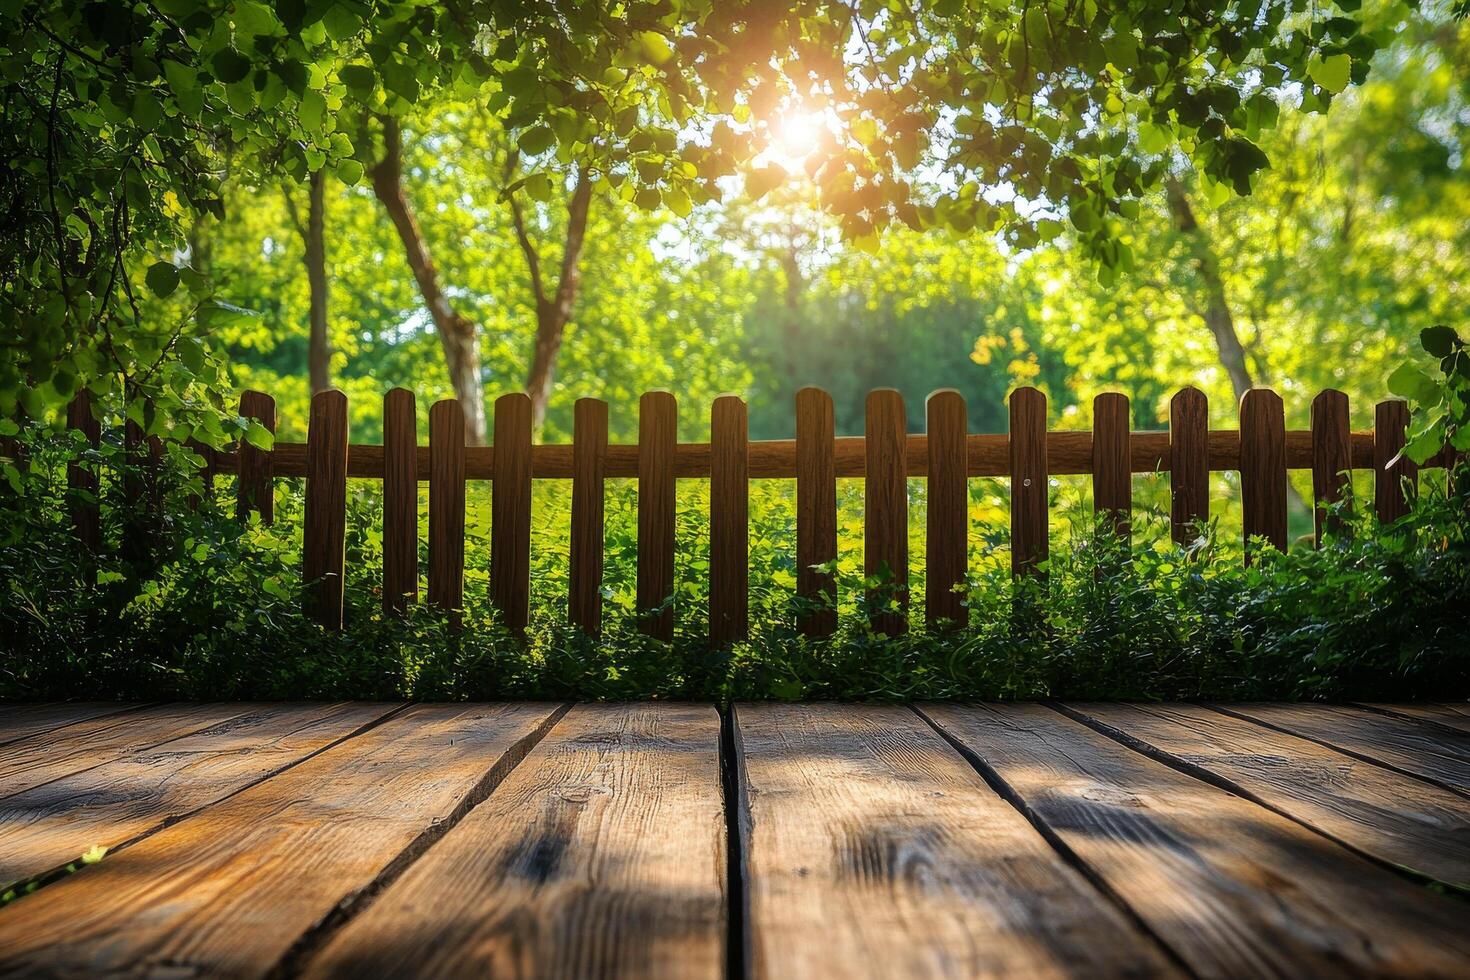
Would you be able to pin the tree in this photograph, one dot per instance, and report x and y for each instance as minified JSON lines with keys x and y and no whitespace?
{"x":314,"y":239}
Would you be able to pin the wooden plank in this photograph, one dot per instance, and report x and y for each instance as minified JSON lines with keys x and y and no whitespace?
{"x":1408,"y":746}
{"x":886,"y":512}
{"x":324,"y":532}
{"x":947,"y":530}
{"x":1332,"y":461}
{"x":446,"y":505}
{"x":254,"y":487}
{"x":1232,"y":888}
{"x":1029,"y":535}
{"x":1395,"y":819}
{"x":1112,"y":476}
{"x":81,"y":476}
{"x":1455,"y":716}
{"x":1263,"y":468}
{"x":228,"y":891}
{"x":874,"y":850}
{"x":23,"y":720}
{"x":1189,"y":463}
{"x":510,"y":511}
{"x":729,"y":523}
{"x":400,"y":502}
{"x":658,"y":432}
{"x":1394,"y":485}
{"x":603,"y":855}
{"x":34,"y":761}
{"x":47,"y":826}
{"x":816,"y":509}
{"x":589,"y":440}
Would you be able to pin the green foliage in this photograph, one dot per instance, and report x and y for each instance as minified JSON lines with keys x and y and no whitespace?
{"x":1441,"y":405}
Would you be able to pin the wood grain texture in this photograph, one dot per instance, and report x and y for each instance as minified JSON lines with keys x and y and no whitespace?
{"x":510,"y":517}
{"x":1396,"y":819}
{"x":874,"y":850}
{"x":1332,"y":460}
{"x":228,"y":891}
{"x":98,"y":741}
{"x":1112,"y":474}
{"x":22,"y":720}
{"x":400,"y":501}
{"x":1029,"y":534}
{"x":1232,"y":888}
{"x":658,"y":433}
{"x":1410,"y":746}
{"x":816,"y":509}
{"x":729,"y":522}
{"x":49,"y":825}
{"x":1456,"y":716}
{"x":81,"y":476}
{"x":589,"y":441}
{"x":324,"y":531}
{"x":254,"y":488}
{"x":1263,"y":468}
{"x":446,"y":505}
{"x":1394,"y":486}
{"x":886,"y":512}
{"x":601,"y":856}
{"x":947,"y":530}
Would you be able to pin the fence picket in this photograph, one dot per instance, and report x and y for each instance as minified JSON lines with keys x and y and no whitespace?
{"x":324,"y":532}
{"x":1112,"y":470}
{"x":658,"y":433}
{"x":729,"y":522}
{"x":446,"y":505}
{"x":589,"y":461}
{"x":400,"y":501}
{"x":1189,"y":463}
{"x":253,"y":485}
{"x":1394,"y":486}
{"x":81,"y":479}
{"x":886,"y":508}
{"x":816,"y":508}
{"x":1029,"y":538}
{"x":510,"y":511}
{"x":948,"y":525}
{"x":1263,"y":467}
{"x":1332,"y":458}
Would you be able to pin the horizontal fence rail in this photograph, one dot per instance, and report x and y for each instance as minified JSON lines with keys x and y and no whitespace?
{"x":1262,"y":451}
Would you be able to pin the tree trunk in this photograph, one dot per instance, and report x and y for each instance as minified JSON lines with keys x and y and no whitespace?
{"x":319,"y":354}
{"x":456,"y":333}
{"x":553,"y":313}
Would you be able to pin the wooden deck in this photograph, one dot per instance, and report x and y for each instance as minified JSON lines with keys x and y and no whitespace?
{"x":648,"y":840}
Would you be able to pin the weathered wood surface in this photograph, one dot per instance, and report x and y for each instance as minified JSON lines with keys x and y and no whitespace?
{"x":874,"y":850}
{"x":1404,"y":744}
{"x":1394,"y":818}
{"x":1449,"y":715}
{"x":18,"y":721}
{"x":228,"y":891}
{"x":45,"y":827}
{"x":1234,"y":889}
{"x":602,"y":855}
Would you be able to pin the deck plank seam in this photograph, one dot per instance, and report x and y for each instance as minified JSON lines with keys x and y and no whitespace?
{"x":1064,"y":851}
{"x":121,"y":710}
{"x":1361,"y":757}
{"x":738,"y":827}
{"x":1438,"y":726}
{"x":315,"y":938}
{"x":1218,"y":781}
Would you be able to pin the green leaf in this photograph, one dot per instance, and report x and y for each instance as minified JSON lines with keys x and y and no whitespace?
{"x":230,"y":65}
{"x":678,"y":202}
{"x":349,"y":172}
{"x":1332,"y":72}
{"x":259,"y":436}
{"x":359,"y":78}
{"x":1440,"y":341}
{"x":162,"y":278}
{"x":1409,"y":382}
{"x":214,"y":314}
{"x":537,"y":139}
{"x":341,"y":22}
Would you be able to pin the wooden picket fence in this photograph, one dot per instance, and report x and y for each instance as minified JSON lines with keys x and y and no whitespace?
{"x":1262,"y":450}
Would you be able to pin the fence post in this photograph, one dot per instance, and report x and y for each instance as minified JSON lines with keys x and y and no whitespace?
{"x":886,"y":506}
{"x":658,"y":433}
{"x":1332,"y":458}
{"x":1263,"y":467}
{"x":1189,"y":462}
{"x":400,"y":501}
{"x":1112,"y":463}
{"x":948,"y":525}
{"x":729,"y":522}
{"x":1394,"y":486}
{"x":324,"y":534}
{"x":510,"y":510}
{"x":446,"y":507}
{"x":1029,"y":537}
{"x":589,"y":461}
{"x":81,"y":478}
{"x":253,"y":485}
{"x":816,"y":508}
